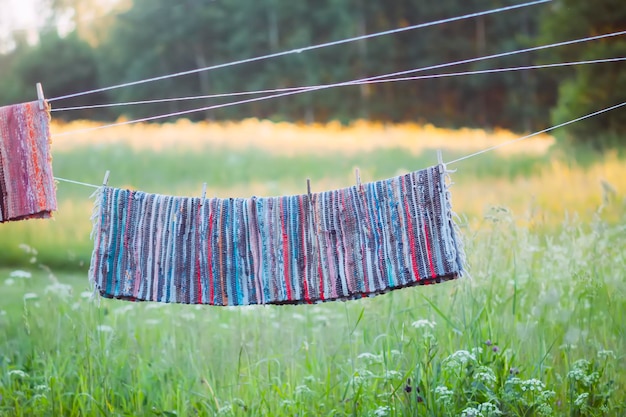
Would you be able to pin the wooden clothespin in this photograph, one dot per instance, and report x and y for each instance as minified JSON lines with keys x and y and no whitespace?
{"x":105,"y":181}
{"x":40,"y":97}
{"x":203,"y":193}
{"x":357,"y":174}
{"x":308,"y":190}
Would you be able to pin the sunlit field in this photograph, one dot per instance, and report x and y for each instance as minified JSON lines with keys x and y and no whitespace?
{"x":535,"y":329}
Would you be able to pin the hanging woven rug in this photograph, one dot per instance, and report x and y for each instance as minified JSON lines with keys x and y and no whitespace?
{"x":27,"y":188}
{"x":334,"y":245}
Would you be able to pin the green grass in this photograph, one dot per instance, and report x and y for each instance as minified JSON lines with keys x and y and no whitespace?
{"x":545,"y":301}
{"x":538,"y":329}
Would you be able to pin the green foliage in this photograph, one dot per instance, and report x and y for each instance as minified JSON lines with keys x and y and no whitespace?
{"x":157,"y":37}
{"x":62,"y":65}
{"x":585,"y":89}
{"x":537,"y":331}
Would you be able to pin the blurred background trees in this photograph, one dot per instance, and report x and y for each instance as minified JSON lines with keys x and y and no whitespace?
{"x":86,"y":44}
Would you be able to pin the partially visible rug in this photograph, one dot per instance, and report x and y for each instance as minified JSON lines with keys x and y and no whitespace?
{"x":27,"y":188}
{"x":334,"y":245}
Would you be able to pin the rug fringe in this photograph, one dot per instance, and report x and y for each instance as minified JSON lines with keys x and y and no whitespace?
{"x":96,"y":217}
{"x":456,"y":254}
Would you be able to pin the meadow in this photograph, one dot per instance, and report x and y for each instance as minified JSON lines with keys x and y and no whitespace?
{"x":535,"y":329}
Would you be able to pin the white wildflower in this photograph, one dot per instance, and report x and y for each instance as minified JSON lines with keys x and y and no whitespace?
{"x":30,"y":296}
{"x":9,"y":281}
{"x":581,"y":400}
{"x":573,"y":335}
{"x":485,"y":375}
{"x":305,"y":345}
{"x":42,"y":388}
{"x":444,"y":396}
{"x":391,"y":374}
{"x":28,"y":249}
{"x":124,"y":309}
{"x":18,"y":372}
{"x":152,"y":322}
{"x":544,"y":409}
{"x":370,"y":357}
{"x":86,"y":294}
{"x":303,"y":389}
{"x":532,"y":385}
{"x":513,"y":381}
{"x":545,"y":396}
{"x":489,"y":409}
{"x":591,"y":379}
{"x":606,"y":354}
{"x":582,"y":364}
{"x":59,"y":289}
{"x":476,"y":351}
{"x":422,"y":323}
{"x":579,"y":373}
{"x":471,"y":412}
{"x":225,"y":409}
{"x":297,"y":316}
{"x":3,"y":313}
{"x":104,"y":328}
{"x":360,"y":376}
{"x":382,"y":411}
{"x":18,"y":273}
{"x":442,"y":390}
{"x":458,"y":359}
{"x":310,"y":379}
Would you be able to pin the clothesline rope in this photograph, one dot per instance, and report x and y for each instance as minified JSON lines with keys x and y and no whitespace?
{"x":76,"y":182}
{"x":304,"y":49}
{"x":280,"y":90}
{"x":345,"y":83}
{"x":509,"y":142}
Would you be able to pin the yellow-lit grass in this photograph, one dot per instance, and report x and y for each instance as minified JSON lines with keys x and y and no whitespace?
{"x":290,"y":139}
{"x":551,"y":192}
{"x":555,"y":191}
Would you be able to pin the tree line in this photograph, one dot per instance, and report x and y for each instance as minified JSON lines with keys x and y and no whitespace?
{"x":149,"y":38}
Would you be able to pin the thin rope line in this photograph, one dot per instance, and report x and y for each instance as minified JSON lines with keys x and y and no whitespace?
{"x":321,"y":87}
{"x":304,"y":49}
{"x":538,"y":133}
{"x":76,"y":182}
{"x":466,"y":156}
{"x":278,"y":90}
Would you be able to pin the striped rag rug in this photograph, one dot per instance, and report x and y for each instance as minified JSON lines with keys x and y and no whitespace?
{"x":334,"y":245}
{"x":27,"y":188}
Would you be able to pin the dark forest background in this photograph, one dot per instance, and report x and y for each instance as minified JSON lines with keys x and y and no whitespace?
{"x":145,"y":38}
